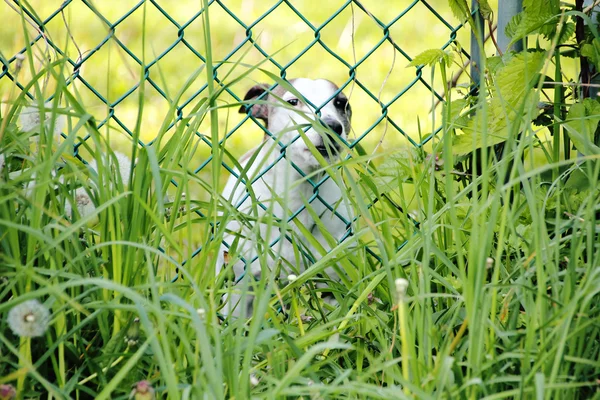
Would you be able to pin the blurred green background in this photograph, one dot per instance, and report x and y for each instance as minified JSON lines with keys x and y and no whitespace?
{"x":351,"y":34}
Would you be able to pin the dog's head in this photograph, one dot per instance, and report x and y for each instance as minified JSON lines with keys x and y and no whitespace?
{"x":283,"y":109}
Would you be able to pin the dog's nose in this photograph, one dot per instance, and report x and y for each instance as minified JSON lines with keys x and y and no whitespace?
{"x":335,"y":126}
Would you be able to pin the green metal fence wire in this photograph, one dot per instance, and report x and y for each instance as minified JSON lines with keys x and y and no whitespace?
{"x":78,"y":74}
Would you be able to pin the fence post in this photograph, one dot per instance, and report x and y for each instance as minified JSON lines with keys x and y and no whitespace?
{"x":506,"y":10}
{"x":593,"y":92}
{"x":475,"y":50}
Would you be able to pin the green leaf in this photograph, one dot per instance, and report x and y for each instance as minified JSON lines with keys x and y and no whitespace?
{"x":460,"y":9}
{"x":456,"y":107}
{"x":485,"y":10}
{"x":566,"y":32}
{"x":537,"y":17}
{"x":515,"y":77}
{"x":430,"y":57}
{"x":551,"y":7}
{"x":513,"y":25}
{"x":592,"y":52}
{"x":397,"y":168}
{"x":580,"y":178}
{"x":581,"y":124}
{"x":530,"y":24}
{"x":494,"y":63}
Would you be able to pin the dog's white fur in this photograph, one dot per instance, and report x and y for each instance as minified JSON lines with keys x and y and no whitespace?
{"x":282,"y":189}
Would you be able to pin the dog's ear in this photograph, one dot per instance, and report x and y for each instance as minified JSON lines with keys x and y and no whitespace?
{"x":260,"y":111}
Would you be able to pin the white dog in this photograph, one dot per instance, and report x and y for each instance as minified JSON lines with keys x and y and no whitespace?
{"x":275,"y":198}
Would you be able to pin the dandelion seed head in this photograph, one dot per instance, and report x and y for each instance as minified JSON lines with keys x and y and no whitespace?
{"x":29,"y":319}
{"x":401,"y":286}
{"x":124,"y":165}
{"x":19,"y":61}
{"x":83,"y":202}
{"x":254,"y":380}
{"x":30,"y":119}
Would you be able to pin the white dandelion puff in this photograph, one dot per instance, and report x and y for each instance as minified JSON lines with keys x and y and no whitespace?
{"x":401,"y":286}
{"x":83,"y":202}
{"x":29,"y":319}
{"x":123,"y":165}
{"x":30,"y":119}
{"x":19,"y":62}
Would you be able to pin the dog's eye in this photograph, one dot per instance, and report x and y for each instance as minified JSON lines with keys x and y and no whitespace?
{"x":293,"y":102}
{"x":340,"y":103}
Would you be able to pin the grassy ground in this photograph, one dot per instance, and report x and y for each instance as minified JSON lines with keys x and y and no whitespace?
{"x":488,"y":289}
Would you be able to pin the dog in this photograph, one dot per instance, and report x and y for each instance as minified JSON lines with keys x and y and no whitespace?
{"x":280,"y":189}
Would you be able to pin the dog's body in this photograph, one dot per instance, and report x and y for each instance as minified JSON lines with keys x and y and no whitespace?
{"x":282,"y":190}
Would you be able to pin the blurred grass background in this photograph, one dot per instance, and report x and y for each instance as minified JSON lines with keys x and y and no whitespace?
{"x":351,"y":34}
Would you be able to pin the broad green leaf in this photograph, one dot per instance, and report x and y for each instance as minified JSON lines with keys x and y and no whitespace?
{"x":580,"y":178}
{"x":496,"y":62}
{"x":541,"y":6}
{"x":592,"y":52}
{"x":396,"y":169}
{"x":581,"y":124}
{"x":537,"y":17}
{"x":513,"y":25}
{"x":566,"y":32}
{"x":499,"y":119}
{"x":530,"y":24}
{"x":456,"y":108}
{"x":430,"y":57}
{"x":513,"y":80}
{"x":460,"y":9}
{"x":485,"y":10}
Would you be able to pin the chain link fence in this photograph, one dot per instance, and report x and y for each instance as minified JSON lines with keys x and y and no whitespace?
{"x":113,"y":48}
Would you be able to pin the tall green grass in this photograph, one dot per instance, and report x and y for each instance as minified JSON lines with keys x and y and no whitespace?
{"x":488,"y":289}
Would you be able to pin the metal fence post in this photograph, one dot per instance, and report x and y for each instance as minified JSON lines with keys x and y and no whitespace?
{"x":506,"y":10}
{"x":475,"y":50}
{"x":593,"y":92}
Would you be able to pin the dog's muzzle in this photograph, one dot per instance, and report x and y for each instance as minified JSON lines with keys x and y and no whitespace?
{"x":330,"y":147}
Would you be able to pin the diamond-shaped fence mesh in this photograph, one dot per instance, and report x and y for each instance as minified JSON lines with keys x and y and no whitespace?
{"x":114,"y":47}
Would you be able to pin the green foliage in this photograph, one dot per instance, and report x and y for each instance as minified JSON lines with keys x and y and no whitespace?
{"x":511,"y":96}
{"x":592,"y":52}
{"x":431,"y":57}
{"x":538,"y":17}
{"x":581,"y":125}
{"x":460,"y":9}
{"x":485,"y":9}
{"x":470,"y":273}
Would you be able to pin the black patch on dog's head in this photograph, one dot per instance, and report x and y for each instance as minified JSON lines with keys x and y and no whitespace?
{"x":260,"y":111}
